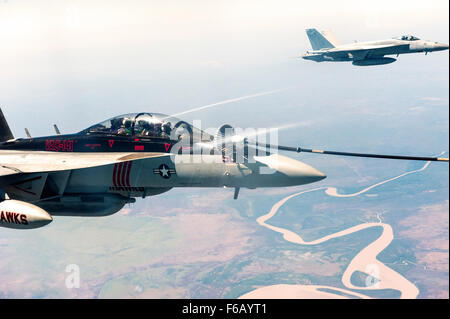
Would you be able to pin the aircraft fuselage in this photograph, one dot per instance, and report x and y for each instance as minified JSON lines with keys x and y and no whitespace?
{"x":370,"y":52}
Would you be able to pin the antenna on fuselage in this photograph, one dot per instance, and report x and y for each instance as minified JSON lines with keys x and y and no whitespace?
{"x":27,"y":133}
{"x":56,"y":129}
{"x":236,"y":192}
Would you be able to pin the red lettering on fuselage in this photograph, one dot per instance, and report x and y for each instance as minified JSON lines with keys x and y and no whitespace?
{"x":13,"y":218}
{"x":59,"y":145}
{"x":23,"y":219}
{"x":10,"y":217}
{"x":92,"y":146}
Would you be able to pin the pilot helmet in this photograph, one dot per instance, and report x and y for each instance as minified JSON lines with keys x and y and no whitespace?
{"x":126,"y":122}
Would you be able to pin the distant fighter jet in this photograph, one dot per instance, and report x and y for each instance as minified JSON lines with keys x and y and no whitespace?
{"x":326,"y":48}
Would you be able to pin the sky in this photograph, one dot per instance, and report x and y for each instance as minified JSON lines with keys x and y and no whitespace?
{"x":75,"y":63}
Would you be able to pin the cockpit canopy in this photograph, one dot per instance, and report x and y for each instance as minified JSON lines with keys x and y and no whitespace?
{"x":407,"y":38}
{"x":147,"y":125}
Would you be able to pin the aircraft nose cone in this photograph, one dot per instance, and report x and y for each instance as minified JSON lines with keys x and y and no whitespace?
{"x":440,"y":46}
{"x":298,"y":170}
{"x":289,"y":172}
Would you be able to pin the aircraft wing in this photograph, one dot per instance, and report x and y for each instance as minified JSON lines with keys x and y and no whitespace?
{"x":17,"y":162}
{"x":367,"y":52}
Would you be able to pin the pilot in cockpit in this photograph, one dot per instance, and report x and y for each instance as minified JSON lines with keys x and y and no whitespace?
{"x":157,"y":129}
{"x":115,"y":125}
{"x":166,"y":130}
{"x":408,"y":38}
{"x":144,"y":128}
{"x":126,"y":127}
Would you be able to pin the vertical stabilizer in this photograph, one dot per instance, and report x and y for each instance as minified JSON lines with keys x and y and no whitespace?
{"x":331,"y":37}
{"x":5,"y":132}
{"x":321,"y":40}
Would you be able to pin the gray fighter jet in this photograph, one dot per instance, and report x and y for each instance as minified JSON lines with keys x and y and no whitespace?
{"x":97,"y":171}
{"x":327,"y":48}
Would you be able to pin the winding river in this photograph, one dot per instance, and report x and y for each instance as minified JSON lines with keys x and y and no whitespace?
{"x":380,"y":276}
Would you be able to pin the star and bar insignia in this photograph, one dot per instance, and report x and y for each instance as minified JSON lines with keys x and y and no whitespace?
{"x":164,"y":171}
